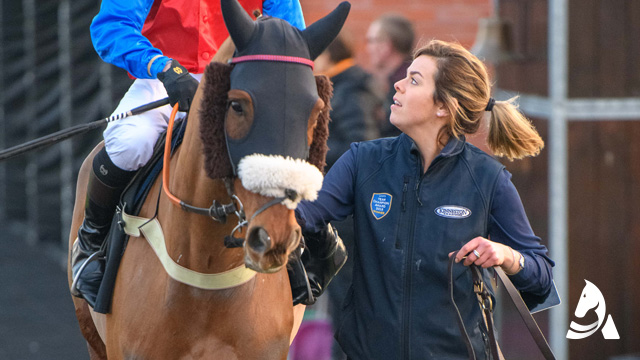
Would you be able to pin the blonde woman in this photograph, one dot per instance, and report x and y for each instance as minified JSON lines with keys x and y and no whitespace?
{"x":417,"y":198}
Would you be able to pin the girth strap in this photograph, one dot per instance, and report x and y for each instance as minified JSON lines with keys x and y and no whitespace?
{"x":152,"y":231}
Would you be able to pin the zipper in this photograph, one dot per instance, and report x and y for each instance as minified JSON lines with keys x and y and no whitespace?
{"x":417,"y":190}
{"x":406,"y":299}
{"x":408,"y":274}
{"x":404,"y":193}
{"x":403,"y":219}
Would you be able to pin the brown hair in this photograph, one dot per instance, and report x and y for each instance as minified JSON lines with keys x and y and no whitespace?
{"x":462,"y":86}
{"x":340,"y":48}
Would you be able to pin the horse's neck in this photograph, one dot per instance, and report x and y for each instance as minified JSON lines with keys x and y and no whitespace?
{"x":197,"y":240}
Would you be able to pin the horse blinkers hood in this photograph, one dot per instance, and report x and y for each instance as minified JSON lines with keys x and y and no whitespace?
{"x":283,"y":91}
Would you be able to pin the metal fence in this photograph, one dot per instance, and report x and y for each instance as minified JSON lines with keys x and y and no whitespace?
{"x":51,"y":79}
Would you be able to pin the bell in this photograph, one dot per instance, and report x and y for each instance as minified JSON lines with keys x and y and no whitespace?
{"x":494,"y":41}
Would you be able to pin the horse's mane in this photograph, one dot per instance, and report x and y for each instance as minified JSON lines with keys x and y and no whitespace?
{"x":318,"y":149}
{"x":212,"y":114}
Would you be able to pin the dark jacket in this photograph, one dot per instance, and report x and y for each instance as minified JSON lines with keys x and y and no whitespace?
{"x":354,"y":106}
{"x":387,"y":129}
{"x":406,"y":224}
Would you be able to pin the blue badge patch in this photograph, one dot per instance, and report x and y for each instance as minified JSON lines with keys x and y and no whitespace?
{"x":380,"y":204}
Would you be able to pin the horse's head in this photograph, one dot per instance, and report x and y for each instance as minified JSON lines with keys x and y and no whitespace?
{"x":270,"y":126}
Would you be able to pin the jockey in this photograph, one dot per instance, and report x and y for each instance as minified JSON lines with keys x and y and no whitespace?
{"x":165,"y":45}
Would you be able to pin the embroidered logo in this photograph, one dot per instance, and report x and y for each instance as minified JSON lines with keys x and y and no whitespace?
{"x":591,"y":298}
{"x":103,"y":170}
{"x":453,"y":211}
{"x":380,"y":204}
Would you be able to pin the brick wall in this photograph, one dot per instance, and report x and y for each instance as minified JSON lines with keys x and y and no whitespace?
{"x":441,"y":19}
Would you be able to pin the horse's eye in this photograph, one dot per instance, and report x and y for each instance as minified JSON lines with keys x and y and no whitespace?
{"x":236,"y":106}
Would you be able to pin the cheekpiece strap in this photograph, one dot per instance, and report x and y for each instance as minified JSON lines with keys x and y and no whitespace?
{"x":279,"y":58}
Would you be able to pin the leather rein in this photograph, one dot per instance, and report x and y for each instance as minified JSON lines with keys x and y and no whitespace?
{"x":216,"y":211}
{"x":486,"y":304}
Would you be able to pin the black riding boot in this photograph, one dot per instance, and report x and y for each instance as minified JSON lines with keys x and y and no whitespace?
{"x":324,"y":256}
{"x":106,"y":183}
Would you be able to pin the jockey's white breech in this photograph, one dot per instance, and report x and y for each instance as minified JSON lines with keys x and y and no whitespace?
{"x":130,"y":141}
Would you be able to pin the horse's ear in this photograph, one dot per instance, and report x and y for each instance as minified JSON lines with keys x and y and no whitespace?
{"x":322,"y":32}
{"x":212,"y":113}
{"x":238,"y":22}
{"x":318,"y":149}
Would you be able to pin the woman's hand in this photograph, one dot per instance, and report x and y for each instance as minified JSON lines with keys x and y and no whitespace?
{"x":486,"y":253}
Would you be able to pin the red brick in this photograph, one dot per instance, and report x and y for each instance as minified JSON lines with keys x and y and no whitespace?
{"x":442,"y":19}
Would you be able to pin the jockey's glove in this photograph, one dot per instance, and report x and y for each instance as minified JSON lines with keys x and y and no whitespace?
{"x":324,"y":256}
{"x":181,"y":86}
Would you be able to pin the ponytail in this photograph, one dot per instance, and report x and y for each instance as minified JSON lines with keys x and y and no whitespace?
{"x":511,"y":134}
{"x":462,"y":85}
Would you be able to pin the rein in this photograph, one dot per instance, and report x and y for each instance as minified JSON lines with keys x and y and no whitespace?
{"x":216,"y":211}
{"x":486,"y":304}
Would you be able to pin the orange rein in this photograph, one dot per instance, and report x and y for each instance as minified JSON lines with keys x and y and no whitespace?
{"x":167,"y":158}
{"x":216,"y":211}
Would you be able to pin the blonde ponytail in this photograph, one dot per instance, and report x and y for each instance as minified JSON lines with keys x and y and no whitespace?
{"x":511,"y":134}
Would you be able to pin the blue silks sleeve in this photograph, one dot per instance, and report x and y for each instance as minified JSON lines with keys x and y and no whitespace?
{"x":509,"y":225}
{"x":116,"y":33}
{"x":289,"y":10}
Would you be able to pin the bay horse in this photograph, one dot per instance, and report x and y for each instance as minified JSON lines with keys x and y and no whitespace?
{"x":270,"y":92}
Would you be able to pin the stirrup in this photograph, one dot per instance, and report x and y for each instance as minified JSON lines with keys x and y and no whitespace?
{"x":74,"y":285}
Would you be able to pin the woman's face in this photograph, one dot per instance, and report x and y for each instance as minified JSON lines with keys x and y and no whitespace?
{"x":413,"y":104}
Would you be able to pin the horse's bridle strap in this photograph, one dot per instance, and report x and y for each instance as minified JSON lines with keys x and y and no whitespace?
{"x":276,"y":58}
{"x":216,"y":211}
{"x":152,"y":231}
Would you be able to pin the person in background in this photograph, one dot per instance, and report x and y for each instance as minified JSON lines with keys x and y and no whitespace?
{"x":390,"y":40}
{"x":165,"y":45}
{"x":355,"y":110}
{"x":354,"y":105}
{"x":421,"y":196}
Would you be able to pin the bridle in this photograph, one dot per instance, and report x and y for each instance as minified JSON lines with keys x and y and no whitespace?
{"x":217,"y":211}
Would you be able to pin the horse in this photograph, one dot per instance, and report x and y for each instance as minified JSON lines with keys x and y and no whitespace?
{"x":225,"y":159}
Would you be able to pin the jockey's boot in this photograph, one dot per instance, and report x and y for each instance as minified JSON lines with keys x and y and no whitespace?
{"x":106,"y":183}
{"x":324,"y":256}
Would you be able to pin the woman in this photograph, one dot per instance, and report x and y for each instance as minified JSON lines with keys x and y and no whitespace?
{"x":417,"y":198}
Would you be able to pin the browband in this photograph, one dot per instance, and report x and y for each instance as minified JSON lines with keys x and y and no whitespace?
{"x":280,"y":58}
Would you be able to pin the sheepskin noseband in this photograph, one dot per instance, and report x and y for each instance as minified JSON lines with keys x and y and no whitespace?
{"x":276,"y":176}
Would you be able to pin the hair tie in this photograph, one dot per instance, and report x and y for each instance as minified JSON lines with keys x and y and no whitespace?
{"x":490,"y":104}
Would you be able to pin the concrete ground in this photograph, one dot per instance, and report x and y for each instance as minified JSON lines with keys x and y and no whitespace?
{"x":37,"y":319}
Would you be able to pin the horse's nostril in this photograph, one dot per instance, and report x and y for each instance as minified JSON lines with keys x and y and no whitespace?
{"x":259,"y":239}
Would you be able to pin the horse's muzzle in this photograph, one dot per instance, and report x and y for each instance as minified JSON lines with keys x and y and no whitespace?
{"x":258,"y":240}
{"x":266,"y":255}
